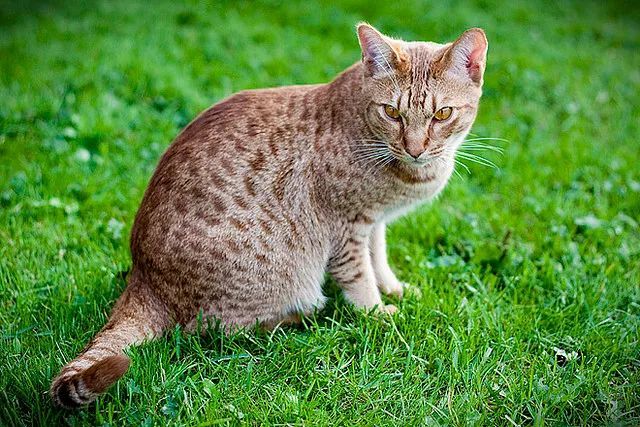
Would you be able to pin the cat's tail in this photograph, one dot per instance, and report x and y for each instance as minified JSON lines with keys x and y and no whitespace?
{"x":137,"y":316}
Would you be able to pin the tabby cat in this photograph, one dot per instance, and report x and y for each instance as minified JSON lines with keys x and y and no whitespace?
{"x":269,"y":189}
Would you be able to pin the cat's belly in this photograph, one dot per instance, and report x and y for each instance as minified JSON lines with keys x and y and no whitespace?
{"x":258,"y":274}
{"x":273,"y":298}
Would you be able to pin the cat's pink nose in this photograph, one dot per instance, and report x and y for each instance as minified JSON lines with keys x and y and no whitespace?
{"x":414,"y":150}
{"x":415,"y":142}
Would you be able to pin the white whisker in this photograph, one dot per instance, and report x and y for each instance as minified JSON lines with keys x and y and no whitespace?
{"x":477,"y":159}
{"x":487,"y":138}
{"x":465,"y":167}
{"x":367,"y":140}
{"x":457,"y":173}
{"x":480,"y":148}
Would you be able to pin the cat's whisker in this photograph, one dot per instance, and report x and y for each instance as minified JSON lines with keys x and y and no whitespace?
{"x":370,"y":153}
{"x":486,"y":138}
{"x":381,"y":161}
{"x":481,"y":148}
{"x":375,"y":140}
{"x":359,"y":153}
{"x":375,"y":153}
{"x":377,"y":161}
{"x":364,"y":149}
{"x":471,"y":156}
{"x":387,"y":162}
{"x":465,"y":167}
{"x":475,"y":144}
{"x":436,"y":156}
{"x":477,"y":159}
{"x":456,"y":161}
{"x":396,"y":152}
{"x":366,"y":146}
{"x":473,"y":141}
{"x":479,"y":144}
{"x":457,"y":173}
{"x":370,"y":147}
{"x":476,"y":137}
{"x":370,"y":160}
{"x":367,"y":143}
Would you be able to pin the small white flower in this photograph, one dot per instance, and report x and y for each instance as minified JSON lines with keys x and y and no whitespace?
{"x":115,"y":227}
{"x":83,"y":155}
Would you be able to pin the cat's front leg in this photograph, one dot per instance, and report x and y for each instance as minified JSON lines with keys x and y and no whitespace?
{"x":352,"y":269}
{"x":387,"y":281}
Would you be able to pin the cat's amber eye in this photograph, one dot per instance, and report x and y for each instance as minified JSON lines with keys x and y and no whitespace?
{"x":392,"y":112}
{"x":443,"y":113}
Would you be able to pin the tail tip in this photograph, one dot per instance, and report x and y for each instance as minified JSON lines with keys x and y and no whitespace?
{"x":105,"y":372}
{"x":72,"y":391}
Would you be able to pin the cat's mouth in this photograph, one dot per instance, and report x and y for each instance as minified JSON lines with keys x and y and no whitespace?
{"x":426,"y":161}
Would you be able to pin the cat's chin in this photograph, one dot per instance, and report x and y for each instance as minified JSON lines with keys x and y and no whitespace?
{"x":435,"y":169}
{"x":418,"y":164}
{"x":420,"y":172}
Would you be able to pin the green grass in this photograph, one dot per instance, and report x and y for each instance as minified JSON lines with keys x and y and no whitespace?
{"x":512,"y":263}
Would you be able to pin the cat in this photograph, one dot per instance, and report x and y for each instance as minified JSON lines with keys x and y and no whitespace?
{"x":267,"y":190}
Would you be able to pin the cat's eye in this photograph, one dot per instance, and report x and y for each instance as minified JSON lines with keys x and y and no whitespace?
{"x":392,"y":112}
{"x":443,"y":113}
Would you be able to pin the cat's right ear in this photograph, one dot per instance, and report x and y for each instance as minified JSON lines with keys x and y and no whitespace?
{"x":379,"y":55}
{"x":467,"y":56}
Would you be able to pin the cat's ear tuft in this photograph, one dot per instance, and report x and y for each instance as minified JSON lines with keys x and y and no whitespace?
{"x":467,"y":56}
{"x":379,"y":55}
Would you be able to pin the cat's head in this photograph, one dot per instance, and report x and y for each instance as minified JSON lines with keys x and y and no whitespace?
{"x":422,"y":97}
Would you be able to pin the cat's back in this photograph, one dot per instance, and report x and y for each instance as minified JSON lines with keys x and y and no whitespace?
{"x":246,"y":129}
{"x":241,"y":133}
{"x":245,"y":157}
{"x":250,"y":114}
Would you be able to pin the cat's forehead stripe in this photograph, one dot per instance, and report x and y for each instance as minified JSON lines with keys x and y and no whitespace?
{"x":420,"y":74}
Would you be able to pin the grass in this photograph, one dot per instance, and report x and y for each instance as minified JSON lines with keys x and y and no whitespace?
{"x":514,"y":264}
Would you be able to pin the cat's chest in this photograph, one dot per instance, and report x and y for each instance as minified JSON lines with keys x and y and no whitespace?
{"x":397,"y":197}
{"x":400,"y":192}
{"x":403,"y":200}
{"x":383,"y":194}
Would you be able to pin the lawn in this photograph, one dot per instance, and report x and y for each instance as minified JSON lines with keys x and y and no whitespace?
{"x":517,"y":266}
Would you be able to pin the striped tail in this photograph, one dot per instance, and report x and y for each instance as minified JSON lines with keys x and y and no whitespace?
{"x":136,"y":317}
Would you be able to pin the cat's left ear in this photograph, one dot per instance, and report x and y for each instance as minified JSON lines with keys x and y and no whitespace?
{"x":381,"y":55}
{"x":467,"y":56}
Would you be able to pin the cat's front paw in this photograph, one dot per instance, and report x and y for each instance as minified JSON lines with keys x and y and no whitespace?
{"x":385,"y":310}
{"x":389,"y":309}
{"x":392,"y":287}
{"x":399,"y":289}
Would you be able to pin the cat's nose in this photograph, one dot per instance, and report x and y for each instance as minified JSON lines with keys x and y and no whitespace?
{"x":415,"y":142}
{"x":414,"y":151}
{"x":415,"y":147}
